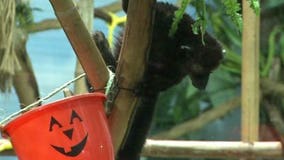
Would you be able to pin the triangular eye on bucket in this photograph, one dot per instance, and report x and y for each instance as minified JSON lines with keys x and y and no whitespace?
{"x":53,"y":122}
{"x":73,"y":116}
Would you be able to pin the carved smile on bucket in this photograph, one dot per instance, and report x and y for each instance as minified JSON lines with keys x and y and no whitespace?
{"x":77,"y":148}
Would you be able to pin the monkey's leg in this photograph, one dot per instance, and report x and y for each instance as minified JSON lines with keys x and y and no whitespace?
{"x":105,"y":51}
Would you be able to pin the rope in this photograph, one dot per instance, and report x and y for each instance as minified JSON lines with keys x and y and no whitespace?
{"x":12,"y":116}
{"x":110,"y":81}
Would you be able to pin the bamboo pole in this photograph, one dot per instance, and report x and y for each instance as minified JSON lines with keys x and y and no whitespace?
{"x":82,"y":42}
{"x":132,"y":60}
{"x":86,"y":10}
{"x":250,"y":75}
{"x":211,"y":149}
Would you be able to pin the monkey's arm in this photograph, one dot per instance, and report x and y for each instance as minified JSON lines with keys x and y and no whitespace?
{"x":125,"y":5}
{"x":103,"y":46}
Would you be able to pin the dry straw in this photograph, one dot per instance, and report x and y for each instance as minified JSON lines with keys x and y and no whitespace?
{"x":9,"y":63}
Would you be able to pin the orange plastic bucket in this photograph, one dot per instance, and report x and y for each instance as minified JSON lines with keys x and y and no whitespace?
{"x":72,"y":128}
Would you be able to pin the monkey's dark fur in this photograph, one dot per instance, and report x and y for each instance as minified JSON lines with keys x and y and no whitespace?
{"x":170,"y":60}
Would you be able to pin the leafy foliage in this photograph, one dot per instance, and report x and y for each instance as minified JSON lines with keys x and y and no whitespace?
{"x":178,"y":16}
{"x":232,"y":9}
{"x":177,"y":104}
{"x":200,"y":23}
{"x":254,"y":4}
{"x":24,"y":15}
{"x":271,"y":50}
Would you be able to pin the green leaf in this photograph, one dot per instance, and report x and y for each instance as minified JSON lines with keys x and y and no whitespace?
{"x":233,"y":8}
{"x":271,"y":50}
{"x":254,"y":4}
{"x":200,"y":24}
{"x":178,"y":16}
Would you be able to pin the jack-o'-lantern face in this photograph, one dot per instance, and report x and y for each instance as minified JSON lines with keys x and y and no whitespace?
{"x":75,"y":149}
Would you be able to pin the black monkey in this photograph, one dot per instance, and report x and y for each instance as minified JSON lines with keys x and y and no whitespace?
{"x":105,"y":50}
{"x":170,"y":60}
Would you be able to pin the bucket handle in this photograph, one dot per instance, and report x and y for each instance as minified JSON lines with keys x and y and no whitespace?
{"x":29,"y":107}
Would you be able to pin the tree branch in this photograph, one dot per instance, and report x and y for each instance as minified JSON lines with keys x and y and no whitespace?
{"x":270,"y":87}
{"x":44,"y":25}
{"x":100,"y":12}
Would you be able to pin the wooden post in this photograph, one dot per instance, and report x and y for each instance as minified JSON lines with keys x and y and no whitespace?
{"x":86,"y":10}
{"x":136,"y":44}
{"x":250,"y":75}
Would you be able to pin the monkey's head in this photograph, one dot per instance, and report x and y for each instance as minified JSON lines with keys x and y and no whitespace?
{"x":200,"y":59}
{"x":192,"y":56}
{"x":203,"y":66}
{"x":172,"y":58}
